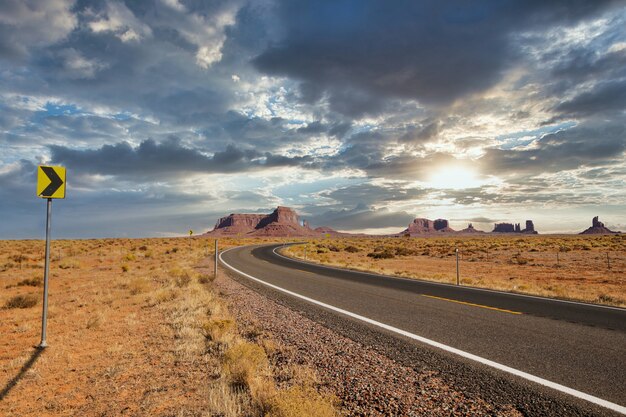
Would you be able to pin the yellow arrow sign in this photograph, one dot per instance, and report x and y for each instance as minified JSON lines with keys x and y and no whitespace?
{"x":50,"y":181}
{"x":190,"y":232}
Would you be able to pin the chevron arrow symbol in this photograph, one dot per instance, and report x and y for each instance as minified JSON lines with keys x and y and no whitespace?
{"x":55,"y":181}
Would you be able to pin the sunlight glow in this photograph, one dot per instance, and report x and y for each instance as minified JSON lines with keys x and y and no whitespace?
{"x":453,"y":178}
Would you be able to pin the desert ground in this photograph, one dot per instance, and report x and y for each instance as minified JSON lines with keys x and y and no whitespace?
{"x":139,"y":326}
{"x":587,"y":268}
{"x":136,"y":327}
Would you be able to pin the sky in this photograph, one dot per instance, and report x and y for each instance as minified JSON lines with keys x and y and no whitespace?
{"x":359,"y":114}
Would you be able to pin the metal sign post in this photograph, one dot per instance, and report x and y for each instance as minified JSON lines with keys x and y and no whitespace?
{"x":44,"y":314}
{"x":50,"y":184}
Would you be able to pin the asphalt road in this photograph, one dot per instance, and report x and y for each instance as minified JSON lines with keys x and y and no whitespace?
{"x":579,"y":346}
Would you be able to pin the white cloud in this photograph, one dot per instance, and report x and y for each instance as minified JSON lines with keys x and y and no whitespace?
{"x":36,"y":23}
{"x":77,"y":66}
{"x":207,"y":32}
{"x":119,"y":20}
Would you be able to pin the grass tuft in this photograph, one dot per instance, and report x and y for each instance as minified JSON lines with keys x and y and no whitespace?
{"x":300,"y":401}
{"x":244,"y":362}
{"x":22,"y":301}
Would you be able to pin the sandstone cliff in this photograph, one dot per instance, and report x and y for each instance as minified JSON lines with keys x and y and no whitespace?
{"x":282,"y":222}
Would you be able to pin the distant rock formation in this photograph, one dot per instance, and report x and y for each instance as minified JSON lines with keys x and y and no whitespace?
{"x":517,"y":228}
{"x":530,"y":228}
{"x":283,"y":221}
{"x":503,"y":228}
{"x":597,"y":228}
{"x":470,"y":229}
{"x":441,"y":225}
{"x":421,"y":226}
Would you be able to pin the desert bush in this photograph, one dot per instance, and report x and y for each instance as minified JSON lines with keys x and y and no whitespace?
{"x":130,"y":257}
{"x":69,"y":264}
{"x":182,"y":276}
{"x":31,"y":282}
{"x":206,"y":278}
{"x":216,"y":329}
{"x":138,"y":286}
{"x":334,"y":248}
{"x":300,"y":401}
{"x":243,"y":362}
{"x":125,"y":268}
{"x":22,"y":301}
{"x":95,"y":321}
{"x":386,"y":254}
{"x":402,"y":251}
{"x":352,"y":249}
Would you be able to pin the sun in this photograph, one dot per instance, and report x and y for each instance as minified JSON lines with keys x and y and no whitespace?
{"x":453,"y":178}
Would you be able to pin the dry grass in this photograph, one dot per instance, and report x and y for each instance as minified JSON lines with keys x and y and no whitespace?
{"x":569,"y":267}
{"x":22,"y":301}
{"x":129,"y":320}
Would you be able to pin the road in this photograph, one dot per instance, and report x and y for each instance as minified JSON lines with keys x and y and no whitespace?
{"x":577,"y":350}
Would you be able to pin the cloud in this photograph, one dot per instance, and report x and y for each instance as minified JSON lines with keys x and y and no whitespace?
{"x":579,"y":146}
{"x":119,"y":20}
{"x":32,"y":23}
{"x":159,"y":160}
{"x":428,"y":51}
{"x":606,"y":98}
{"x":362,"y":217}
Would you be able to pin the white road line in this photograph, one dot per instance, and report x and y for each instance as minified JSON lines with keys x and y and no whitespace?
{"x":443,"y":284}
{"x":562,"y":388}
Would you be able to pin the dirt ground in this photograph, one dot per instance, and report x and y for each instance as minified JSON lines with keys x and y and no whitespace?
{"x":134,"y":328}
{"x":586,"y":268}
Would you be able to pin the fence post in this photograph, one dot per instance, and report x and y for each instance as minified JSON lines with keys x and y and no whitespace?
{"x":216,"y":258}
{"x":458,"y":280}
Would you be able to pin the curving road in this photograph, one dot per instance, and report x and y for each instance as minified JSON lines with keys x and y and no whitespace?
{"x":576,"y":350}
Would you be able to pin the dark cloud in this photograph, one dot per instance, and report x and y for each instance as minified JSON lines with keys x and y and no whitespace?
{"x":583,"y":145}
{"x":362,"y":217}
{"x":367,"y":194}
{"x":430,"y":51}
{"x":152,"y":159}
{"x":605,"y":98}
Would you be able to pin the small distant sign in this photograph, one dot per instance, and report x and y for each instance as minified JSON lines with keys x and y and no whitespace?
{"x":190,"y":232}
{"x":50,"y":181}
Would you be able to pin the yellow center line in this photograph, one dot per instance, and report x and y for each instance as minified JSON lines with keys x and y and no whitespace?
{"x":472,"y":304}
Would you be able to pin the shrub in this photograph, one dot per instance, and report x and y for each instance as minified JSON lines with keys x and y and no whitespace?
{"x":215,"y":330}
{"x":243,"y":362}
{"x":31,"y":282}
{"x":402,"y":251}
{"x":129,"y":257}
{"x":386,"y":254}
{"x":182,"y":276}
{"x":206,"y":278}
{"x":125,"y":268}
{"x":300,"y":402}
{"x":138,"y":286}
{"x":22,"y":301}
{"x":352,"y":249}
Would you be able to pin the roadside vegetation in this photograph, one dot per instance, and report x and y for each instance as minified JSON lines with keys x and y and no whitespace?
{"x":586,"y":268}
{"x":135,"y":327}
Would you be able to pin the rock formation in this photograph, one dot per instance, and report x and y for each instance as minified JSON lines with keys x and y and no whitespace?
{"x":470,"y":229}
{"x":283,"y":221}
{"x":441,"y":225}
{"x":597,"y":228}
{"x":503,"y":228}
{"x":530,"y":228}
{"x":514,"y":228}
{"x":421,"y":226}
